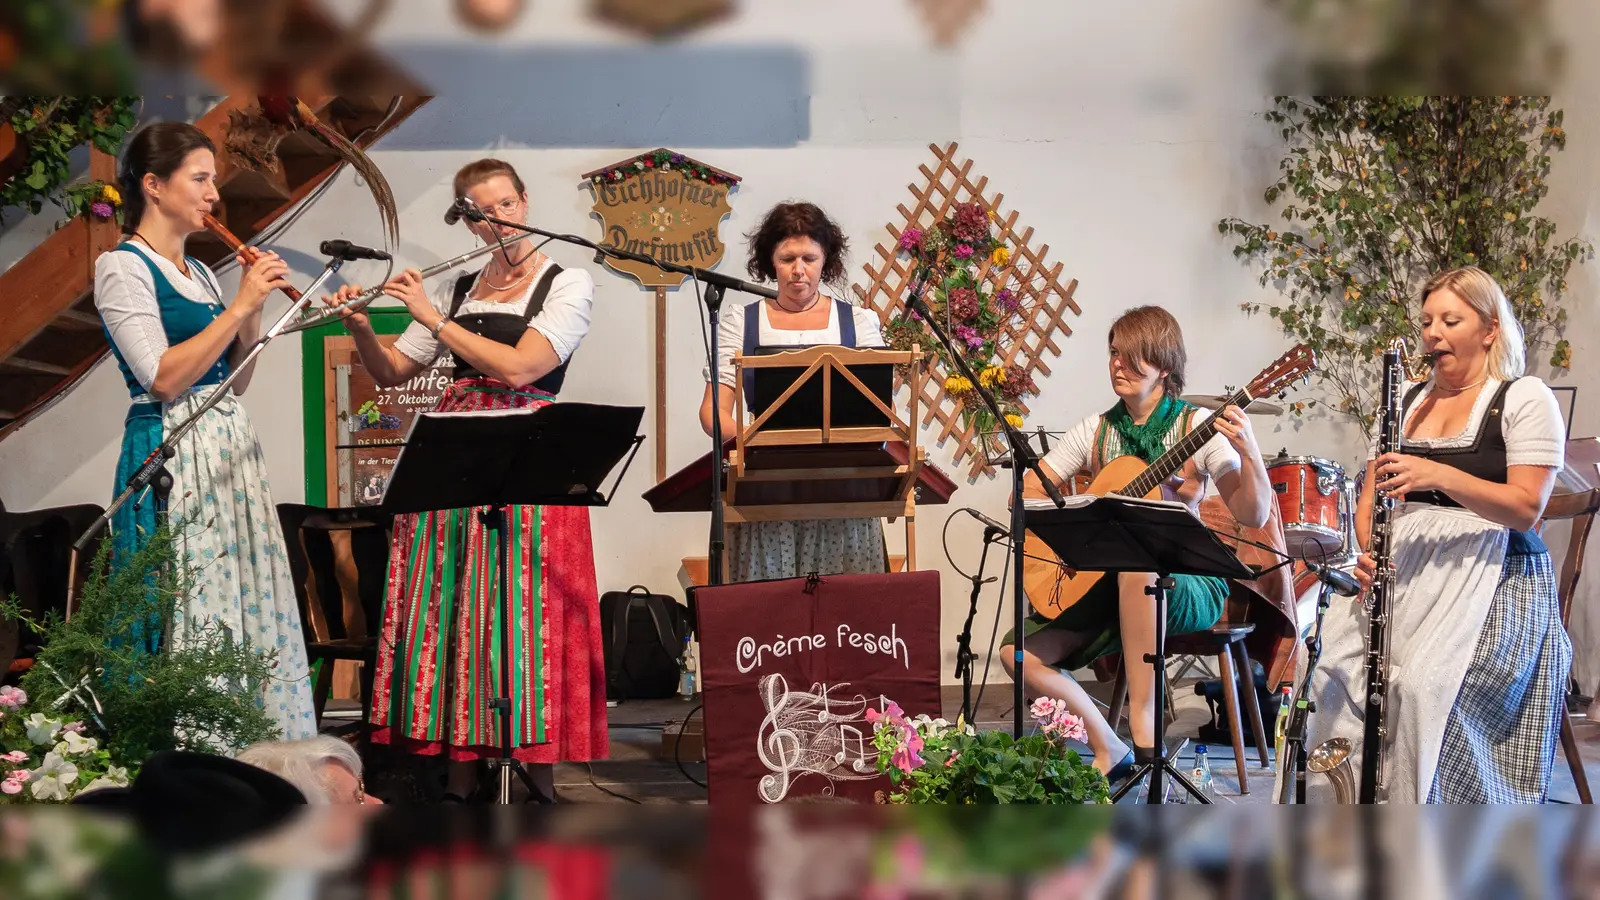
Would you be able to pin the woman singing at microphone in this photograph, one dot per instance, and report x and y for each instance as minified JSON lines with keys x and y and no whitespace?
{"x":512,"y":328}
{"x":175,"y":340}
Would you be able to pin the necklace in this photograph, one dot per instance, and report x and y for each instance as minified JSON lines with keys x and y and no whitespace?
{"x":815,"y":298}
{"x":507,"y":287}
{"x":1466,"y":387}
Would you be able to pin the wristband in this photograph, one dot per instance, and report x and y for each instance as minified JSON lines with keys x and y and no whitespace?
{"x":439,"y":327}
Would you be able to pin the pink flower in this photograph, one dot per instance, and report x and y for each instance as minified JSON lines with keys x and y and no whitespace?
{"x":967,"y":333}
{"x":15,"y":756}
{"x":1006,"y":300}
{"x":12,"y":697}
{"x":905,"y":759}
{"x":1070,"y":727}
{"x":11,"y":787}
{"x":75,"y":727}
{"x":102,"y":209}
{"x":911,"y":239}
{"x":963,"y":251}
{"x":952,"y":759}
{"x":1043,"y":708}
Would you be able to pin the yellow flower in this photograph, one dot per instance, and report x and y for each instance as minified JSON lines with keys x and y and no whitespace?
{"x":1014,"y":419}
{"x":1000,"y":256}
{"x":989,"y":376}
{"x":955,"y":384}
{"x":111,"y":194}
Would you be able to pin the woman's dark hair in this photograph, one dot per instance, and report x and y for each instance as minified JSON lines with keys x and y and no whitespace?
{"x":789,"y":220}
{"x":157,"y":150}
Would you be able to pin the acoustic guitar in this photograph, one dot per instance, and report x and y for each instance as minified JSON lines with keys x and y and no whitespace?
{"x":1051,"y":585}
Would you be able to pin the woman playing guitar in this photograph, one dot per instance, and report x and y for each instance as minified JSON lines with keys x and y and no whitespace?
{"x":1146,"y":366}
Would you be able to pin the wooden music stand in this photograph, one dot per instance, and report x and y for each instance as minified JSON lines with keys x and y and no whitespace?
{"x":825,"y":485}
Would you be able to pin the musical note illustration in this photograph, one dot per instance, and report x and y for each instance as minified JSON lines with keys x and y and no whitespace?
{"x":812,"y":733}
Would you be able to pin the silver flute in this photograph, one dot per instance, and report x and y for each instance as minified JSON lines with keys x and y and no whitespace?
{"x":364,"y":299}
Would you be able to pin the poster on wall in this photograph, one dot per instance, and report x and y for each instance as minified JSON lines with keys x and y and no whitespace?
{"x":353,"y":425}
{"x":791,"y":668}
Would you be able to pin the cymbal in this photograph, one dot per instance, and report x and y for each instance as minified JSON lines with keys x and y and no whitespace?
{"x":1215,"y":401}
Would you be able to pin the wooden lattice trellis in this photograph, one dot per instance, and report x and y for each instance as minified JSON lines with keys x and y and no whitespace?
{"x":1045,"y":302}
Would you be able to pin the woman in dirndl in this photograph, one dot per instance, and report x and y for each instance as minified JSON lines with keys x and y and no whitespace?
{"x":175,"y":340}
{"x":1479,"y":659}
{"x":798,"y":246}
{"x":511,"y":328}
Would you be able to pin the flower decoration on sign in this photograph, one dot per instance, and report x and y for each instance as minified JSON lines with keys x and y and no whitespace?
{"x":962,"y":262}
{"x":664,"y":160}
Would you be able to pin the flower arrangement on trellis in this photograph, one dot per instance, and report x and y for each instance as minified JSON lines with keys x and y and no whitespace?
{"x":952,"y":258}
{"x":994,"y":294}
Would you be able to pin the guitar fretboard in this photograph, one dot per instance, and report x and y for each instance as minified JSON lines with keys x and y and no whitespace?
{"x":1171,"y":461}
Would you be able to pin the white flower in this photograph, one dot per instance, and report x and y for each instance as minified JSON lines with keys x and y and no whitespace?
{"x":117,"y":775}
{"x":73,"y":743}
{"x":42,"y":731}
{"x":50,"y":780}
{"x":97,"y":784}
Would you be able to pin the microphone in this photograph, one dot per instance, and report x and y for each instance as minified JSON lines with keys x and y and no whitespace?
{"x":986,"y":520}
{"x":348,"y":251}
{"x":461,"y":209}
{"x":1343,"y":583}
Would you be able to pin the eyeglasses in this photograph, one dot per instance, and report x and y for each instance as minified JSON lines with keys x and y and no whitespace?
{"x":504,"y":209}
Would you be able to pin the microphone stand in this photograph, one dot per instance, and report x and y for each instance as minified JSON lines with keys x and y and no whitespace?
{"x":1023,"y":458}
{"x":152,"y":473}
{"x":715,"y":283}
{"x":965,"y":659}
{"x":1293,"y":762}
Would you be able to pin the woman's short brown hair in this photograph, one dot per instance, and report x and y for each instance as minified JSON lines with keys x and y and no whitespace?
{"x":477,"y":172}
{"x":1149,"y":335}
{"x":791,"y":220}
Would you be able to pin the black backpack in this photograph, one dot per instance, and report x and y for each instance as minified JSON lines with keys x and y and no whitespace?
{"x":643,"y":635}
{"x":1218,"y":731}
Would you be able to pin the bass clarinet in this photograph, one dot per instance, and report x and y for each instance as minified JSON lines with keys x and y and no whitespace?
{"x":1380,"y":606}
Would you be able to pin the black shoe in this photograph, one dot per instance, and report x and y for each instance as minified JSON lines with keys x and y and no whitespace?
{"x":1121,"y":770}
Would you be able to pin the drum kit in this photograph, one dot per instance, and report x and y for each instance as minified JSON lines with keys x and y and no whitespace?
{"x":1315,"y":496}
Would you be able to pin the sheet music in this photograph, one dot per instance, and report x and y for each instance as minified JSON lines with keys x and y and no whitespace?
{"x":1074,"y":501}
{"x":460,"y":414}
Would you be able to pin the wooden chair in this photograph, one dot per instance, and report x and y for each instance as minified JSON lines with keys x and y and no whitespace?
{"x":315,"y":559}
{"x":1580,"y":508}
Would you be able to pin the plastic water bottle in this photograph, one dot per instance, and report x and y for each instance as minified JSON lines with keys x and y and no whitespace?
{"x":685,"y":673}
{"x":1201,"y":777}
{"x":1285,"y":700}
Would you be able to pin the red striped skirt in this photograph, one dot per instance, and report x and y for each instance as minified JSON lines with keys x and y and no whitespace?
{"x":440,"y":645}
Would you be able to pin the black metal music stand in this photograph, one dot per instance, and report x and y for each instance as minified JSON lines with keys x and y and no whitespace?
{"x":558,"y":455}
{"x":1115,"y":534}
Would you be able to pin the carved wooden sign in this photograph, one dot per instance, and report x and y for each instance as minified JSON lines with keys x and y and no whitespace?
{"x":666,"y":206}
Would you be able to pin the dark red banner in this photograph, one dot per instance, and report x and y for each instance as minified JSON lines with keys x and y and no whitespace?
{"x":789,"y":669}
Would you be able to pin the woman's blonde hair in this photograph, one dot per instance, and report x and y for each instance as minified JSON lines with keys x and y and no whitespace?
{"x":1507,"y":359}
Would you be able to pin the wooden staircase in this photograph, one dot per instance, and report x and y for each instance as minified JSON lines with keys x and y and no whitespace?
{"x":50,"y":333}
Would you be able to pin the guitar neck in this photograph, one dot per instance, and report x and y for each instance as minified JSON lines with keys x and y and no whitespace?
{"x":1168,"y":463}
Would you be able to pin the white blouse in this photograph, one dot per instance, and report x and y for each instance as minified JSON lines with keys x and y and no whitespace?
{"x":564,"y":320}
{"x":125,"y":295}
{"x":730,"y":334}
{"x":1531,"y":422}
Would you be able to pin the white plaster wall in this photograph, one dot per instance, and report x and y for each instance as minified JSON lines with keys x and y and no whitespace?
{"x":1121,"y":134}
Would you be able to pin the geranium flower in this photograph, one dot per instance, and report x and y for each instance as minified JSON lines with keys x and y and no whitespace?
{"x":51,"y":780}
{"x":74,"y":726}
{"x":1043,"y":708}
{"x":14,"y":782}
{"x":12,"y":697}
{"x":15,"y":756}
{"x":42,"y":731}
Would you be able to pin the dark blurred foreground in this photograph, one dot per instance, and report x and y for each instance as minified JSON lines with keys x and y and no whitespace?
{"x":826,"y":851}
